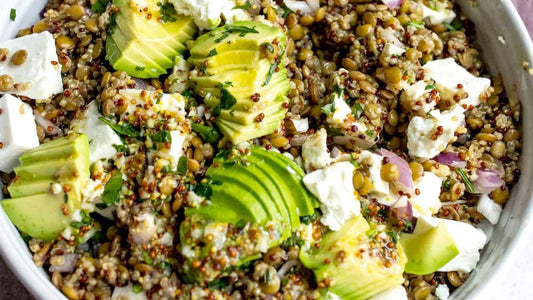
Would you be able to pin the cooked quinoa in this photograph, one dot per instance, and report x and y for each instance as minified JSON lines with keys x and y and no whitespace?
{"x":338,"y":46}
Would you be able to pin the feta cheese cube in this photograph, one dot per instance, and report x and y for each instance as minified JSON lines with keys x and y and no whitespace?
{"x":342,"y":113}
{"x":442,"y":292}
{"x":101,"y":136}
{"x":301,"y":125}
{"x":127,"y":292}
{"x":158,"y":103}
{"x":374,"y":162}
{"x":392,"y":50}
{"x":144,"y":228}
{"x":333,"y":186}
{"x":427,"y":203}
{"x":448,"y":75}
{"x":206,"y":13}
{"x":488,"y":208}
{"x":18,"y":132}
{"x":418,"y":99}
{"x":438,"y":14}
{"x":39,"y":77}
{"x":468,"y":240}
{"x":395,"y":293}
{"x":179,"y":140}
{"x":423,"y":140}
{"x":315,"y":151}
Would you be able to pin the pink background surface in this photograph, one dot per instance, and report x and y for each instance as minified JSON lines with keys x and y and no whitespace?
{"x":10,"y":288}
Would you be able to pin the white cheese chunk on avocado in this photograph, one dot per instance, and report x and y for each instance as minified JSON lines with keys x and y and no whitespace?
{"x":395,"y":293}
{"x":468,"y":240}
{"x":206,"y":13}
{"x":448,"y":75}
{"x":488,"y":208}
{"x":333,"y":186}
{"x":315,"y":151}
{"x":437,"y":14}
{"x":423,"y":139}
{"x":39,"y":77}
{"x":18,"y":132}
{"x":101,"y":137}
{"x":427,"y":203}
{"x":373,"y":162}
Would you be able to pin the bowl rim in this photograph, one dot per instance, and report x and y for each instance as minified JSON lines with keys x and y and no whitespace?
{"x":17,"y":255}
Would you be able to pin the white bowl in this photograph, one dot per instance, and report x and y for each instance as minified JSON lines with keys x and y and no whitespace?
{"x":505,"y":44}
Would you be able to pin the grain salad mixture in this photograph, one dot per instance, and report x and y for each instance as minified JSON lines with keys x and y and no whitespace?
{"x":258,"y":149}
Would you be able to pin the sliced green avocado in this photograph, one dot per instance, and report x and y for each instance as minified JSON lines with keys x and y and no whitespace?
{"x":226,"y":61}
{"x":39,"y":216}
{"x":237,"y":36}
{"x":35,"y":208}
{"x":247,"y":118}
{"x":239,"y":133}
{"x":428,"y":251}
{"x":143,"y":41}
{"x":362,"y":272}
{"x":224,"y":207}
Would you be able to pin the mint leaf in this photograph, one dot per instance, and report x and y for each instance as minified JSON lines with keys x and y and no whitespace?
{"x":112,"y":190}
{"x":227,"y":100}
{"x":12,"y":14}
{"x":182,"y":165}
{"x":124,"y":129}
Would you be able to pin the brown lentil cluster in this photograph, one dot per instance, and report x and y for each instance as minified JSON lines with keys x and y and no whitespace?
{"x":338,"y":46}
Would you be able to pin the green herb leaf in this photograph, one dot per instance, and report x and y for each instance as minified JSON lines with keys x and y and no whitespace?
{"x":310,"y":218}
{"x":218,"y":284}
{"x":454,"y":26}
{"x":229,"y":29}
{"x":166,"y":169}
{"x":447,"y":184}
{"x":208,"y":133}
{"x":147,"y":258}
{"x":286,"y":11}
{"x":12,"y":14}
{"x":241,"y":224}
{"x":358,"y":110}
{"x":204,"y":190}
{"x":334,"y":131}
{"x":161,"y":136}
{"x":338,"y":90}
{"x":271,"y":71}
{"x":124,"y":129}
{"x":269,"y":47}
{"x":416,"y":24}
{"x":168,"y":12}
{"x":113,"y":189}
{"x":227,"y":100}
{"x":137,"y":288}
{"x":99,"y":6}
{"x":182,"y":165}
{"x":394,"y":236}
{"x":355,"y":163}
{"x":245,"y":6}
{"x":213,"y":52}
{"x":328,"y":108}
{"x":430,"y":87}
{"x":370,"y":133}
{"x":465,"y":179}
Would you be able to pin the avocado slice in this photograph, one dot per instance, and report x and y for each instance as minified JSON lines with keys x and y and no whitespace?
{"x":247,"y":118}
{"x":359,"y":275}
{"x":34,"y":208}
{"x":38,"y":215}
{"x":230,"y":211}
{"x":226,"y":61}
{"x":239,"y":133}
{"x":428,"y":251}
{"x":142,"y":42}
{"x":237,"y":40}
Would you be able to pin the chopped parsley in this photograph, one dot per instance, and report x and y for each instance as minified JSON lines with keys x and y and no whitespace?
{"x":271,"y":71}
{"x":416,"y":24}
{"x":245,"y":6}
{"x":168,"y":13}
{"x":124,"y":129}
{"x":310,"y":218}
{"x":394,"y":236}
{"x":269,"y":47}
{"x":137,"y":288}
{"x":147,"y":258}
{"x":465,"y":179}
{"x":204,"y":190}
{"x":431,"y":87}
{"x":86,"y":220}
{"x":182,"y":165}
{"x":358,"y":110}
{"x":370,"y":133}
{"x":286,"y":11}
{"x":99,"y":6}
{"x":208,"y":133}
{"x":112,"y":189}
{"x":241,"y":30}
{"x":338,"y":90}
{"x":12,"y":14}
{"x":227,"y":100}
{"x":447,"y":184}
{"x":328,"y":108}
{"x":454,"y":26}
{"x":219,"y":284}
{"x":161,"y":136}
{"x":213,"y":52}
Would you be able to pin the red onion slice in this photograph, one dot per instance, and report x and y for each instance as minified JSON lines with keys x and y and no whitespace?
{"x":307,"y":7}
{"x":68,"y":265}
{"x":487,"y":181}
{"x":49,"y":127}
{"x":406,"y":176}
{"x":392,"y":3}
{"x":298,"y":140}
{"x":450,"y":159}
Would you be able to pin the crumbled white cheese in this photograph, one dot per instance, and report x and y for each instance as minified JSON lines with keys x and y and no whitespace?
{"x":374,"y":163}
{"x":301,"y":125}
{"x":127,"y":293}
{"x":437,"y":14}
{"x":442,"y":292}
{"x":315,"y":151}
{"x":395,"y":293}
{"x":341,"y":111}
{"x":488,"y":208}
{"x":179,"y":78}
{"x":144,"y":229}
{"x":18,"y":132}
{"x":333,"y":186}
{"x":419,"y":99}
{"x":427,"y":203}
{"x":468,"y":240}
{"x":177,"y":145}
{"x":169,"y":104}
{"x":422,"y":140}
{"x":447,"y":75}
{"x":218,"y":231}
{"x":101,"y":136}
{"x":206,"y":13}
{"x":392,"y":50}
{"x":39,"y":77}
